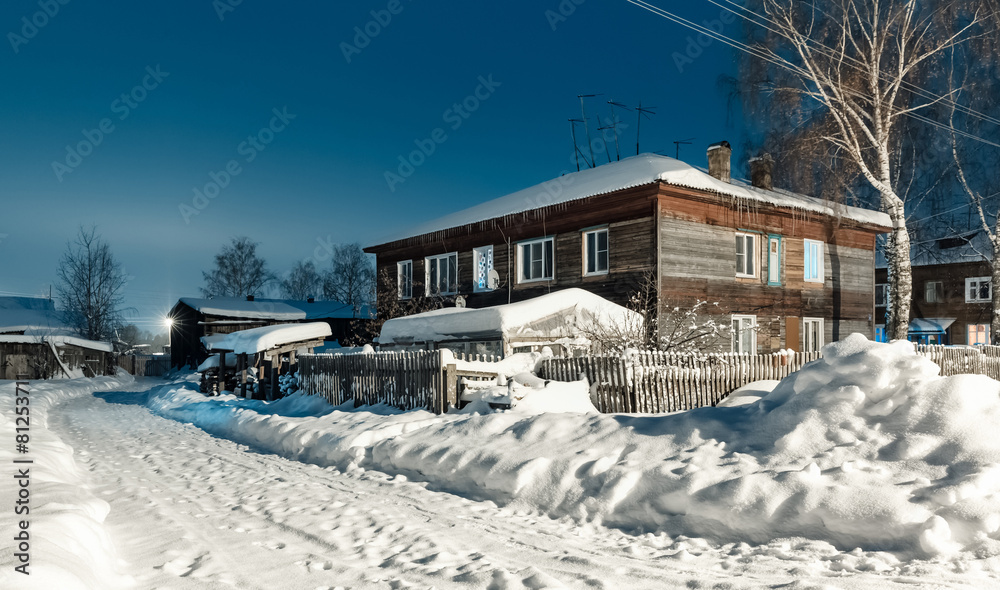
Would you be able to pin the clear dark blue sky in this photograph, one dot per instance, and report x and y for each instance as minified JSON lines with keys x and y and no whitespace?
{"x":322,"y":176}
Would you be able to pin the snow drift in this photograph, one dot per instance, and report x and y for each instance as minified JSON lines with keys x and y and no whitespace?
{"x":867,"y":447}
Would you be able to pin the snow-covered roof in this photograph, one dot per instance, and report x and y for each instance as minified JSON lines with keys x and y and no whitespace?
{"x":930,"y":325}
{"x":257,"y":340}
{"x":273,"y":309}
{"x":18,"y":314}
{"x":558,"y":314}
{"x":58,"y":340}
{"x":632,"y":172}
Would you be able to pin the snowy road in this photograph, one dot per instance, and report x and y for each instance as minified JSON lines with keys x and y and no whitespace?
{"x":189,"y":510}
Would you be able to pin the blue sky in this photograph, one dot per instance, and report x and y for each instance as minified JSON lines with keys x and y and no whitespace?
{"x":116,"y":112}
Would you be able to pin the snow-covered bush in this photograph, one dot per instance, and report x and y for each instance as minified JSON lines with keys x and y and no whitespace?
{"x":288,"y":383}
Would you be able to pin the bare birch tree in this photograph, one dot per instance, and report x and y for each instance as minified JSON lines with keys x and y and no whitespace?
{"x":858,"y":59}
{"x":91,"y":284}
{"x":238,"y":271}
{"x":352,"y":278}
{"x":302,"y":282}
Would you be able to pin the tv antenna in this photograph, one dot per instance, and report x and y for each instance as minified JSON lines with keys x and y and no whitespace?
{"x":687,"y":141}
{"x":614,"y":125}
{"x":576,"y":147}
{"x":586,"y":125}
{"x":640,"y":113}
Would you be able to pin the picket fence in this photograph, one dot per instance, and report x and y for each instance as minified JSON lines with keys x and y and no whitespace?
{"x":657,"y":382}
{"x":981,"y":360}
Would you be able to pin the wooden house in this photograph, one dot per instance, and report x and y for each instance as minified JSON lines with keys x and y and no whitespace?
{"x":35,"y":343}
{"x":786,"y":270}
{"x":952,"y":291}
{"x":194,"y":318}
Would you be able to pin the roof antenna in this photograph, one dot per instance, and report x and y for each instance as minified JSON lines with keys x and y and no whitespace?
{"x":613,"y":124}
{"x":586,"y":125}
{"x":679,"y":143}
{"x":638,"y":118}
{"x":576,"y":147}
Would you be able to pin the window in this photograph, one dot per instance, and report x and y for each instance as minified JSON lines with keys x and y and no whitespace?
{"x":978,"y":334}
{"x":537,"y":260}
{"x":881,"y":295}
{"x":933,"y":291}
{"x":880,"y":335}
{"x":404,"y":279}
{"x":595,"y":252}
{"x":482,"y":258}
{"x":442,"y":274}
{"x":812,"y":334}
{"x":813,"y":261}
{"x":978,"y":290}
{"x":745,"y":334}
{"x":746,"y":254}
{"x":774,"y":260}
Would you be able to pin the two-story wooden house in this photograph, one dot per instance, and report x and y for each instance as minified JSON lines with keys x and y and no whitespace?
{"x":786,"y":270}
{"x":952,"y":291}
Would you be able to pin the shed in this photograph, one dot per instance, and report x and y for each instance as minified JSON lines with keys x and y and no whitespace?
{"x":559,"y":320}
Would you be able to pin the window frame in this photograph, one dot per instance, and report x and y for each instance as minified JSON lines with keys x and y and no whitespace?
{"x":978,"y":280}
{"x":985,"y":332}
{"x":820,"y":275}
{"x":586,"y":252}
{"x":475,"y":268}
{"x":408,"y":264}
{"x":436,"y":260}
{"x":821,"y":325}
{"x":737,"y":334}
{"x":880,"y":333}
{"x":521,"y":279}
{"x":938,"y":293}
{"x":884,"y":287}
{"x":751,"y":256}
{"x":772,"y":238}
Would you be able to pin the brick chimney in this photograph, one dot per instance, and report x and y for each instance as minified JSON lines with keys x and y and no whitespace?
{"x":718,"y":160}
{"x":760,"y":172}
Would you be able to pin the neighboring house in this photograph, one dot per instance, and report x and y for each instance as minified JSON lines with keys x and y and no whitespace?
{"x":35,"y":343}
{"x":561,"y":321}
{"x":952,"y":291}
{"x":787,"y":270}
{"x":194,"y":318}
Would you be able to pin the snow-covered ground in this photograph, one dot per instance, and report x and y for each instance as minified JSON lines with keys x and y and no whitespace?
{"x":863,"y":470}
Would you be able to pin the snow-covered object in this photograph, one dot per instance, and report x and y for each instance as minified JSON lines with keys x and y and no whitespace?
{"x":212,"y":362}
{"x":59,"y":340}
{"x":288,"y":383}
{"x":69,"y":543}
{"x":561,"y":314}
{"x":18,"y":314}
{"x":632,"y":172}
{"x":274,"y":309}
{"x":260,"y":339}
{"x":749,"y":393}
{"x":867,"y":447}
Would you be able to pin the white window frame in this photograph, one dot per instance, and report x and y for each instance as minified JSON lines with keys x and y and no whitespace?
{"x":746,"y":323}
{"x":586,"y":252}
{"x":810,"y":274}
{"x":928,"y":290}
{"x":481,"y":280}
{"x":750,"y":256}
{"x":982,"y":330}
{"x":774,"y":261}
{"x":404,"y":271}
{"x":884,"y":288}
{"x":807,"y":344}
{"x":521,"y":278}
{"x":436,"y":261}
{"x":972,"y":296}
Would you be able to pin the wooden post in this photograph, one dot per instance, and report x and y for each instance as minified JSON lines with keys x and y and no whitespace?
{"x":451,"y":384}
{"x":241,"y":365}
{"x":222,"y":371}
{"x":272,"y":390}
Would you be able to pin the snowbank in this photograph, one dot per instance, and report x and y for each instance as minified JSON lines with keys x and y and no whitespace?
{"x":69,"y":546}
{"x":867,"y":447}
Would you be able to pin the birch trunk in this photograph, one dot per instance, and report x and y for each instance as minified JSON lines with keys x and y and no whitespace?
{"x":900,"y":273}
{"x":994,"y":281}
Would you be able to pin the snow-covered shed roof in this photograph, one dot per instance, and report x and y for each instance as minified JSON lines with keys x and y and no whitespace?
{"x":971,"y":246}
{"x":273,"y":309}
{"x":58,"y":340}
{"x":257,"y":340}
{"x":18,"y":314}
{"x":558,"y":314}
{"x":632,"y":172}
